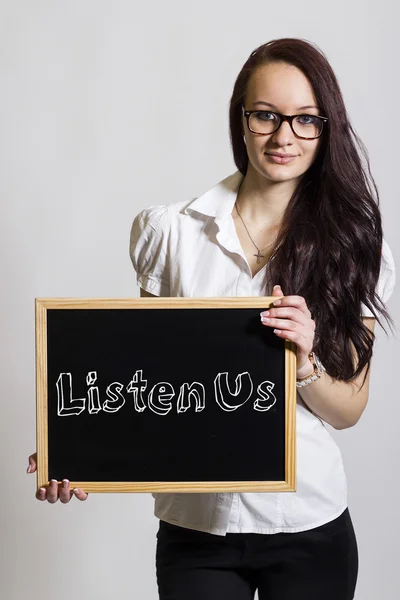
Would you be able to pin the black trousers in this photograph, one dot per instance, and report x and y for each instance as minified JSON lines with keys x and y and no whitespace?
{"x":318,"y":564}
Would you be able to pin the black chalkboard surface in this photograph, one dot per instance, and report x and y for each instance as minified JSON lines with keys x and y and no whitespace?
{"x":164,"y":394}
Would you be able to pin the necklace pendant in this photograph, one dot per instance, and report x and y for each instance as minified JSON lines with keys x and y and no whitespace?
{"x":259,"y":256}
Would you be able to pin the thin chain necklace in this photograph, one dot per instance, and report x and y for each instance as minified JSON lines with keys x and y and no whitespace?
{"x":258,"y":255}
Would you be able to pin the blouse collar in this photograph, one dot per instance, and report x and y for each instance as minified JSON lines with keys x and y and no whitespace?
{"x":218,"y":202}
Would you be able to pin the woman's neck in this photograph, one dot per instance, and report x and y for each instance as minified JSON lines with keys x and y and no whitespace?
{"x":261,"y":200}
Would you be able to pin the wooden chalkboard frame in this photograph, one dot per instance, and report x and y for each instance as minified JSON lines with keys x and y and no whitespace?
{"x":44,"y":304}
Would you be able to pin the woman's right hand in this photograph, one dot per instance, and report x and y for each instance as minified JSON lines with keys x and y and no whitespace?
{"x":54,"y":491}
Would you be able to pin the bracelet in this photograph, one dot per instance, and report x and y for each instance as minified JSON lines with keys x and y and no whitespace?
{"x":318,"y":369}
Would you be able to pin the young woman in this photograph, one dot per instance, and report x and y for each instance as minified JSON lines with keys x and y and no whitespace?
{"x":297,"y":220}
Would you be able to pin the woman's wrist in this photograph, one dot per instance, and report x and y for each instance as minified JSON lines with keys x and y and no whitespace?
{"x":306,"y":370}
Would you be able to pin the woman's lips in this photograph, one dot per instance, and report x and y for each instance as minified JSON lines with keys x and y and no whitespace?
{"x":282,"y":160}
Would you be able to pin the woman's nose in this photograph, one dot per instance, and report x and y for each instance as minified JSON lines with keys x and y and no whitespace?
{"x":284,"y":135}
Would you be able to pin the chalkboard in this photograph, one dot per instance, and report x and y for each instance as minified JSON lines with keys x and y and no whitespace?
{"x":164,"y":394}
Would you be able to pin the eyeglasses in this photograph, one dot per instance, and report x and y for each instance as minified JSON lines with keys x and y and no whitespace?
{"x":263,"y":122}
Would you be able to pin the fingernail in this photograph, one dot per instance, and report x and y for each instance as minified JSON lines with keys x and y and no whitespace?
{"x":42,"y":490}
{"x":76,"y":490}
{"x":276,"y":303}
{"x":28,"y":469}
{"x":276,"y":287}
{"x":53,"y":480}
{"x":65,"y":482}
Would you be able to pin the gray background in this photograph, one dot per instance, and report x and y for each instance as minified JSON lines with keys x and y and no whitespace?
{"x":107,"y":107}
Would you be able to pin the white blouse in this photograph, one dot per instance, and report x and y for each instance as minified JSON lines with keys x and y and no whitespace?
{"x":191,"y":249}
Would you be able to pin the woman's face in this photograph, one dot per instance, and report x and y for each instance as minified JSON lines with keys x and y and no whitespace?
{"x":282,"y":88}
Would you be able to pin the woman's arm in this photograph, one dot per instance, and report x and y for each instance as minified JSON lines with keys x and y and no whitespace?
{"x":340,"y":404}
{"x":144,"y":294}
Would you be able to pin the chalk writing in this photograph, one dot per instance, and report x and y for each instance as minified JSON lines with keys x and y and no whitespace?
{"x":160,"y":397}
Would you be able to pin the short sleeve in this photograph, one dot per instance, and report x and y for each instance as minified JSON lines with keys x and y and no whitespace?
{"x":148,"y":249}
{"x":386,"y":281}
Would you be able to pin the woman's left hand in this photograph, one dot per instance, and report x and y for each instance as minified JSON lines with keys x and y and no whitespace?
{"x":292,"y":320}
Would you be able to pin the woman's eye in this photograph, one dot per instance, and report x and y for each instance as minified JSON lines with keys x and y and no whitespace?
{"x":303,"y":120}
{"x":265,"y":116}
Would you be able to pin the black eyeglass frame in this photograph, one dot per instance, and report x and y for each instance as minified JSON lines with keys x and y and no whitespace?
{"x":282,"y":118}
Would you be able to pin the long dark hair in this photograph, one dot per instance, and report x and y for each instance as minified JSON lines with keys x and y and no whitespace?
{"x":329,"y":245}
